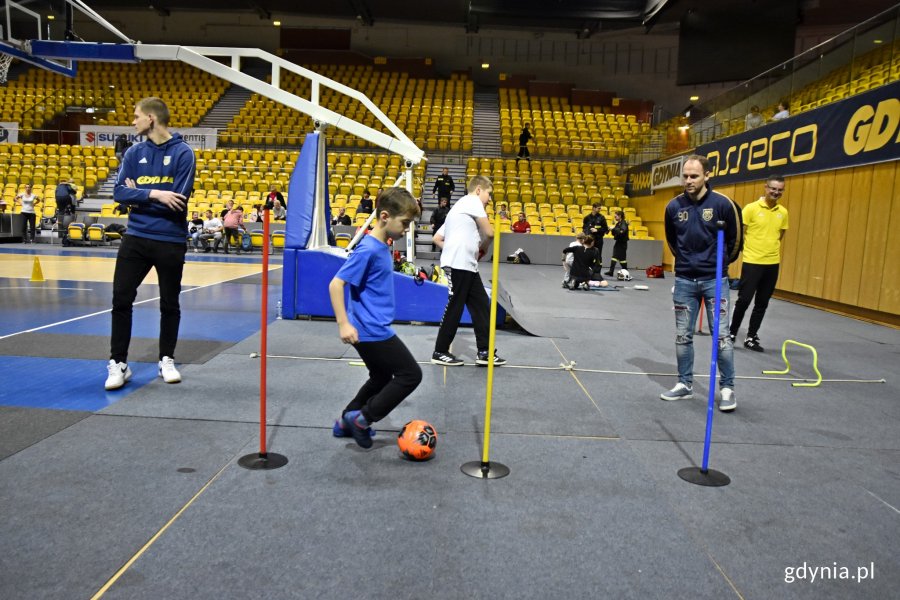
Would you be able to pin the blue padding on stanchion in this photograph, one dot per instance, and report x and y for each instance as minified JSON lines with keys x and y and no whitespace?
{"x":313,"y":270}
{"x":302,"y":194}
{"x":289,"y":284}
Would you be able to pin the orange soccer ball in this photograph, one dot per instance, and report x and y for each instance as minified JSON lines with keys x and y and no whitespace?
{"x":417,"y":440}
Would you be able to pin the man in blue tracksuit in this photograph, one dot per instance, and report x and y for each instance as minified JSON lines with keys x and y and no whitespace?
{"x":691,"y":233}
{"x":155,"y":180}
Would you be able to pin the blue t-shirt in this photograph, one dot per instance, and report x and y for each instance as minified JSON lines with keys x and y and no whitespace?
{"x":369,"y":274}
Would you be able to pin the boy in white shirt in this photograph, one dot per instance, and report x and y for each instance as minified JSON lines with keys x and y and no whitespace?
{"x":465,"y":236}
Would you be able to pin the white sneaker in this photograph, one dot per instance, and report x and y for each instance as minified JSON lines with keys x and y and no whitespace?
{"x":679,"y":392}
{"x":727,"y":403}
{"x":119,"y":374}
{"x":168,"y":371}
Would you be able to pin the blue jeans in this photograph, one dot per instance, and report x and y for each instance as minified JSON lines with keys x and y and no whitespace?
{"x":686,"y":299}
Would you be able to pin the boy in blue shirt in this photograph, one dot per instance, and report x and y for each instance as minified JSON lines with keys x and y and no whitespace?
{"x":155,"y":179}
{"x":393,"y":372}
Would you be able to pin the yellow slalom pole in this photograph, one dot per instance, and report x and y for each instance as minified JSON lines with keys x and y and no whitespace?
{"x":485,"y":469}
{"x":489,"y":394}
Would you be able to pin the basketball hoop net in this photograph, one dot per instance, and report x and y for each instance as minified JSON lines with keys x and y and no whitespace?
{"x":5,"y":61}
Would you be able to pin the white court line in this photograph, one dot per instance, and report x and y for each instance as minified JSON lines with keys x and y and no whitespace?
{"x":883,"y":502}
{"x":32,"y":330}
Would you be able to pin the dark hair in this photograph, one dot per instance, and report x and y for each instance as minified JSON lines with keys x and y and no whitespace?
{"x":588,"y":240}
{"x":775,"y":177}
{"x":398,"y":201}
{"x":621,"y":213}
{"x":704,"y":162}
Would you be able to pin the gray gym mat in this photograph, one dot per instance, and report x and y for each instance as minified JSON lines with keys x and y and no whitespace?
{"x":21,"y":427}
{"x":96,"y":347}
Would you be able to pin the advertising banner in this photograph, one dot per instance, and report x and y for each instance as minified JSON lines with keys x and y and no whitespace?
{"x":198,"y":138}
{"x":863,"y":129}
{"x":9,"y":132}
{"x":666,"y":174}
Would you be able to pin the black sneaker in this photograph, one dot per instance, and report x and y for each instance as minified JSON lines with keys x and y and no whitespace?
{"x":358,"y":428}
{"x":446,"y":359}
{"x":752,"y":343}
{"x":482,"y":360}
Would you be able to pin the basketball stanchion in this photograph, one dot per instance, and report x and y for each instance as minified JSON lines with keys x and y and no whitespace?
{"x":485,"y":469}
{"x":263,"y":459}
{"x":704,"y":475}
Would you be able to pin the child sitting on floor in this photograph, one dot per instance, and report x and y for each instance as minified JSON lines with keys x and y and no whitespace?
{"x":582,"y":269}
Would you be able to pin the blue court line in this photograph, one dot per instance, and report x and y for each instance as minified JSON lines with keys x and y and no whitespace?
{"x":66,"y":383}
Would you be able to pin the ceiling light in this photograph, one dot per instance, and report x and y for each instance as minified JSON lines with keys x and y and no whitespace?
{"x":694,"y":98}
{"x":276,"y":23}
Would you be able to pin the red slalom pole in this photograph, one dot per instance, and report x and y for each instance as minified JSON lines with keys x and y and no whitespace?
{"x":263,"y":460}
{"x":264,"y":327}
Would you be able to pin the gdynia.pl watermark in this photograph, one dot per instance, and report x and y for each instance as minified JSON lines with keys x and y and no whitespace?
{"x":835,"y":572}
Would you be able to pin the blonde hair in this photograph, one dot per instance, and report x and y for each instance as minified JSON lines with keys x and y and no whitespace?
{"x":479,"y":181}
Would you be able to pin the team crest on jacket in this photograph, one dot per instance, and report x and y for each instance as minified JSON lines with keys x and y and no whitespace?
{"x":168,"y":159}
{"x":707,"y":214}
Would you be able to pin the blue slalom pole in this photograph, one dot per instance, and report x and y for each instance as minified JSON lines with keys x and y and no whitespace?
{"x":714,"y":334}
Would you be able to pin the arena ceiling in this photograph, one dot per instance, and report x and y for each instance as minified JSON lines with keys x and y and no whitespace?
{"x":581,"y":17}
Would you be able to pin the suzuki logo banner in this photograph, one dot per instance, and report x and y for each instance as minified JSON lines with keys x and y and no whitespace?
{"x":9,"y":132}
{"x":861,"y":130}
{"x":198,"y":138}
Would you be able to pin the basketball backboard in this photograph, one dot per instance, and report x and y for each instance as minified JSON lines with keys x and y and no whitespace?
{"x":20,"y":24}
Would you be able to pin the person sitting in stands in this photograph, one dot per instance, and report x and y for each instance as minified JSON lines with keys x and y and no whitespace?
{"x":212,"y":230}
{"x":195,"y":228}
{"x":782,"y":112}
{"x":342,"y":218}
{"x":365,"y":204}
{"x":522,"y":225}
{"x":504,"y":213}
{"x":278,"y":211}
{"x":274,"y":195}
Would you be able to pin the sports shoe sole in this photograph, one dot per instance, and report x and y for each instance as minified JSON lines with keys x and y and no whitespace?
{"x":674,"y":398}
{"x":169,"y":380}
{"x":126,"y":379}
{"x":447,"y":364}
{"x":484,"y":363}
{"x":728,"y":408}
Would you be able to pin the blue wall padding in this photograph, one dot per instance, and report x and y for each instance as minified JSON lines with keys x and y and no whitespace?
{"x":307,"y":274}
{"x":302,"y":195}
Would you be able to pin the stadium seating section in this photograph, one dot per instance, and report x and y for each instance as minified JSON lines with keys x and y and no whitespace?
{"x":435,"y":113}
{"x":563,"y":130}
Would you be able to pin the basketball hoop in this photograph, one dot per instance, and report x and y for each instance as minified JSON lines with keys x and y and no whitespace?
{"x":5,"y":61}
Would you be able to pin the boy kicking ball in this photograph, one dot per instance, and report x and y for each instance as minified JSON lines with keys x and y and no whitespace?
{"x":366,"y":323}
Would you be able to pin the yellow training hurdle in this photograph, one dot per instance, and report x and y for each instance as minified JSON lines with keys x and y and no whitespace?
{"x":787,"y":365}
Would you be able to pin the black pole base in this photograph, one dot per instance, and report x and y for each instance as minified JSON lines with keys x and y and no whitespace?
{"x":708,"y":478}
{"x":262,"y":462}
{"x":485,"y":470}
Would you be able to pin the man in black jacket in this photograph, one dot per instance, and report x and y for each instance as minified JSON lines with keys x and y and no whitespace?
{"x":596,"y":227}
{"x":443,"y":185}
